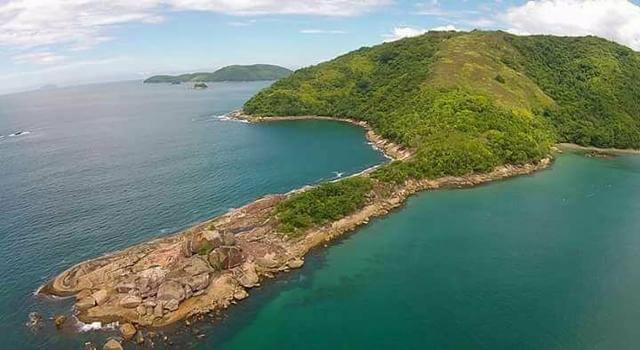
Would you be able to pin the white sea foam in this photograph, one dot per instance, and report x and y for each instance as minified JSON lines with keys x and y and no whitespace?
{"x":95,"y":326}
{"x":226,"y":118}
{"x":20,"y":133}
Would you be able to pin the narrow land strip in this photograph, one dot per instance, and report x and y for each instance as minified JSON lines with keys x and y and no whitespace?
{"x":211,"y":265}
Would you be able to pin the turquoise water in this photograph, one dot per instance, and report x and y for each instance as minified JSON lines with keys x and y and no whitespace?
{"x":107,"y":166}
{"x":548,"y":261}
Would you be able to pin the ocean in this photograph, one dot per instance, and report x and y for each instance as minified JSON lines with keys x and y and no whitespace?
{"x":98,"y":168}
{"x":546,"y":261}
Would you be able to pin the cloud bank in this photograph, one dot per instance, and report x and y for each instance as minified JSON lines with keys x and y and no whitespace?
{"x":83,"y":23}
{"x":616,"y":20}
{"x":398,"y":33}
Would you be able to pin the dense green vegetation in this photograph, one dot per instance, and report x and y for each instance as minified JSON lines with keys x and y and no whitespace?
{"x":253,"y":72}
{"x":468,"y":102}
{"x":595,"y":83}
{"x":322,"y":204}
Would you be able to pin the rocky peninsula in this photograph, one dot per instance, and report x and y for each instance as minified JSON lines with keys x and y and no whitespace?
{"x":213,"y":264}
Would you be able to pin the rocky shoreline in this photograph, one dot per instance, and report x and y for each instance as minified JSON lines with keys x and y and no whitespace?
{"x":212,"y":265}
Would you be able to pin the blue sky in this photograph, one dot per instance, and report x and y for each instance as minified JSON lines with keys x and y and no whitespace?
{"x":83,"y":41}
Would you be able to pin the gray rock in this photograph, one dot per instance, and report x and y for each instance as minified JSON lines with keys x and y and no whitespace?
{"x":171,"y":290}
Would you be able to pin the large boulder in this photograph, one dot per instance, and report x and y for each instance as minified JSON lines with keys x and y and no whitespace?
{"x":130,"y":301}
{"x":198,"y":282}
{"x":196,"y":266}
{"x":128,"y":331}
{"x":249,"y":277}
{"x":112,"y":344}
{"x":296,"y":263}
{"x":85,"y":303}
{"x":171,"y":305}
{"x":225,"y":257}
{"x":100,"y":296}
{"x":205,"y":241}
{"x":169,"y":290}
{"x":229,"y":239}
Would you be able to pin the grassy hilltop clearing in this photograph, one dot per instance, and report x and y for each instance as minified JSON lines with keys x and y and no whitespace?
{"x":254,"y":72}
{"x":465,"y":102}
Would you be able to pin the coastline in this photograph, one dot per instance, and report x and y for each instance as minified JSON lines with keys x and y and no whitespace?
{"x":160,"y":282}
{"x":605,"y":151}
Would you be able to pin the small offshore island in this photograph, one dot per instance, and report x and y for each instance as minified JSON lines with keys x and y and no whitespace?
{"x":254,"y":72}
{"x":451,"y":109}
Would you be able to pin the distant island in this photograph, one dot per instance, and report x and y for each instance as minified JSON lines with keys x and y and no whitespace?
{"x":254,"y":72}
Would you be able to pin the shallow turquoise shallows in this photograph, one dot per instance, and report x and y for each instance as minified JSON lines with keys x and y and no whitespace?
{"x":103,"y":167}
{"x":548,"y":261}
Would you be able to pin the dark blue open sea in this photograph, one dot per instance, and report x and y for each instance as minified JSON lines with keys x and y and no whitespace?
{"x":547,"y":261}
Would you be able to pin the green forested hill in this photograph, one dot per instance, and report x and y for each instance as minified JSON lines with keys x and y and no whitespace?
{"x":587,"y":88}
{"x":467,"y":102}
{"x":252,"y":72}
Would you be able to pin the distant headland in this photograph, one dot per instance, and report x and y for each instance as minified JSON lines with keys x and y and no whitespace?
{"x":254,"y":72}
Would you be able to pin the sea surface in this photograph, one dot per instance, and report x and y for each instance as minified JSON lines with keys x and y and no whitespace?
{"x":546,"y":261}
{"x":92,"y":169}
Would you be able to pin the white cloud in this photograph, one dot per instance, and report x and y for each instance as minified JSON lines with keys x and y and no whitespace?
{"x":83,"y":23}
{"x":43,"y":57}
{"x":338,"y":8}
{"x":617,"y":20}
{"x":408,"y":32}
{"x":31,"y":23}
{"x":322,"y":31}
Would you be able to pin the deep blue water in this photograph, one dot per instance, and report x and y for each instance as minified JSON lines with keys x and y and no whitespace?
{"x":107,"y":166}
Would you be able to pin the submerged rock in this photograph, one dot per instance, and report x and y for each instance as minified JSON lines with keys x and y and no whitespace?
{"x":112,"y":344}
{"x":59,"y":321}
{"x":139,"y":338}
{"x":35,"y":320}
